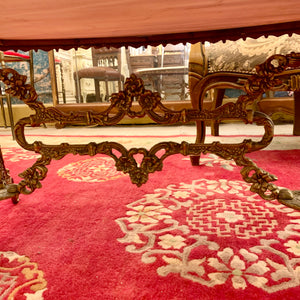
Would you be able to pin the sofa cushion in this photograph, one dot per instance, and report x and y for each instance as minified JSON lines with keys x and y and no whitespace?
{"x":98,"y":73}
{"x":243,"y":55}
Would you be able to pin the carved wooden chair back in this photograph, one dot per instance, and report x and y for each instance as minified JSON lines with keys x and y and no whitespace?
{"x":205,"y":76}
{"x":216,"y":67}
{"x":103,"y":57}
{"x":106,"y":68}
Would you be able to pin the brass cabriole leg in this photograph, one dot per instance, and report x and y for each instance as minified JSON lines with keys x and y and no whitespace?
{"x":290,"y":200}
{"x":7,"y":188}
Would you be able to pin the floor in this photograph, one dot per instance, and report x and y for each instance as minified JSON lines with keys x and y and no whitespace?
{"x":229,"y":133}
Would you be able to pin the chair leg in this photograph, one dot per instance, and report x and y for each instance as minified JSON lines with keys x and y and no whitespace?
{"x":97,"y":90}
{"x":106,"y":90}
{"x":182,"y":94}
{"x":217,"y":102}
{"x":77,"y":89}
{"x":63,"y":91}
{"x":200,"y":137}
{"x":119,"y":85}
{"x":296,"y":130}
{"x":214,"y":128}
{"x":31,"y":68}
{"x":11,"y":117}
{"x":3,"y":110}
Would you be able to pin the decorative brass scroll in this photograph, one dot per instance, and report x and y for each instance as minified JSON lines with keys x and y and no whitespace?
{"x":267,"y":77}
{"x":125,"y":161}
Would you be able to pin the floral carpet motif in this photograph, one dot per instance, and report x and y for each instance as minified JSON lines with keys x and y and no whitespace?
{"x":191,"y":232}
{"x":215,"y":232}
{"x":212,"y":160}
{"x":18,"y":154}
{"x":96,"y":169}
{"x":20,"y":278}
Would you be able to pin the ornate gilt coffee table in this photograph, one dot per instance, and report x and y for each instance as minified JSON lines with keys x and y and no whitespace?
{"x":261,"y":182}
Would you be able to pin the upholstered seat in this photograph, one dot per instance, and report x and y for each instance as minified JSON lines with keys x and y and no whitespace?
{"x":98,"y":72}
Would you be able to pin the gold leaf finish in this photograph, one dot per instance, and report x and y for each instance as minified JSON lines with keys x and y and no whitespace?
{"x":261,"y":182}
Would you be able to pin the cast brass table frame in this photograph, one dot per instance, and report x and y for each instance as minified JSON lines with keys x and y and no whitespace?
{"x":261,"y":182}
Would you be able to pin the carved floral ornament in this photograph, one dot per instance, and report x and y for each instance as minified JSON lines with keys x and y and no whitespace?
{"x":270,"y":76}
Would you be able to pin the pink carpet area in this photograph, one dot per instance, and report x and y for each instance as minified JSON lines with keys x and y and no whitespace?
{"x":189,"y":233}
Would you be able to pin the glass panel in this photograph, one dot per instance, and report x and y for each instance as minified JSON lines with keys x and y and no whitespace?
{"x":92,"y":75}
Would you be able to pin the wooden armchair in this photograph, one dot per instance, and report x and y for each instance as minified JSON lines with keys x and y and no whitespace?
{"x":222,"y":66}
{"x":106,"y":68}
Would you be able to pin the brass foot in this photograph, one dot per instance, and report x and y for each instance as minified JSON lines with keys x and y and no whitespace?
{"x":290,"y":198}
{"x":10,"y":191}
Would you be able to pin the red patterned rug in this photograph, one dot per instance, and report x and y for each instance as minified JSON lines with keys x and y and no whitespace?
{"x":189,"y":233}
